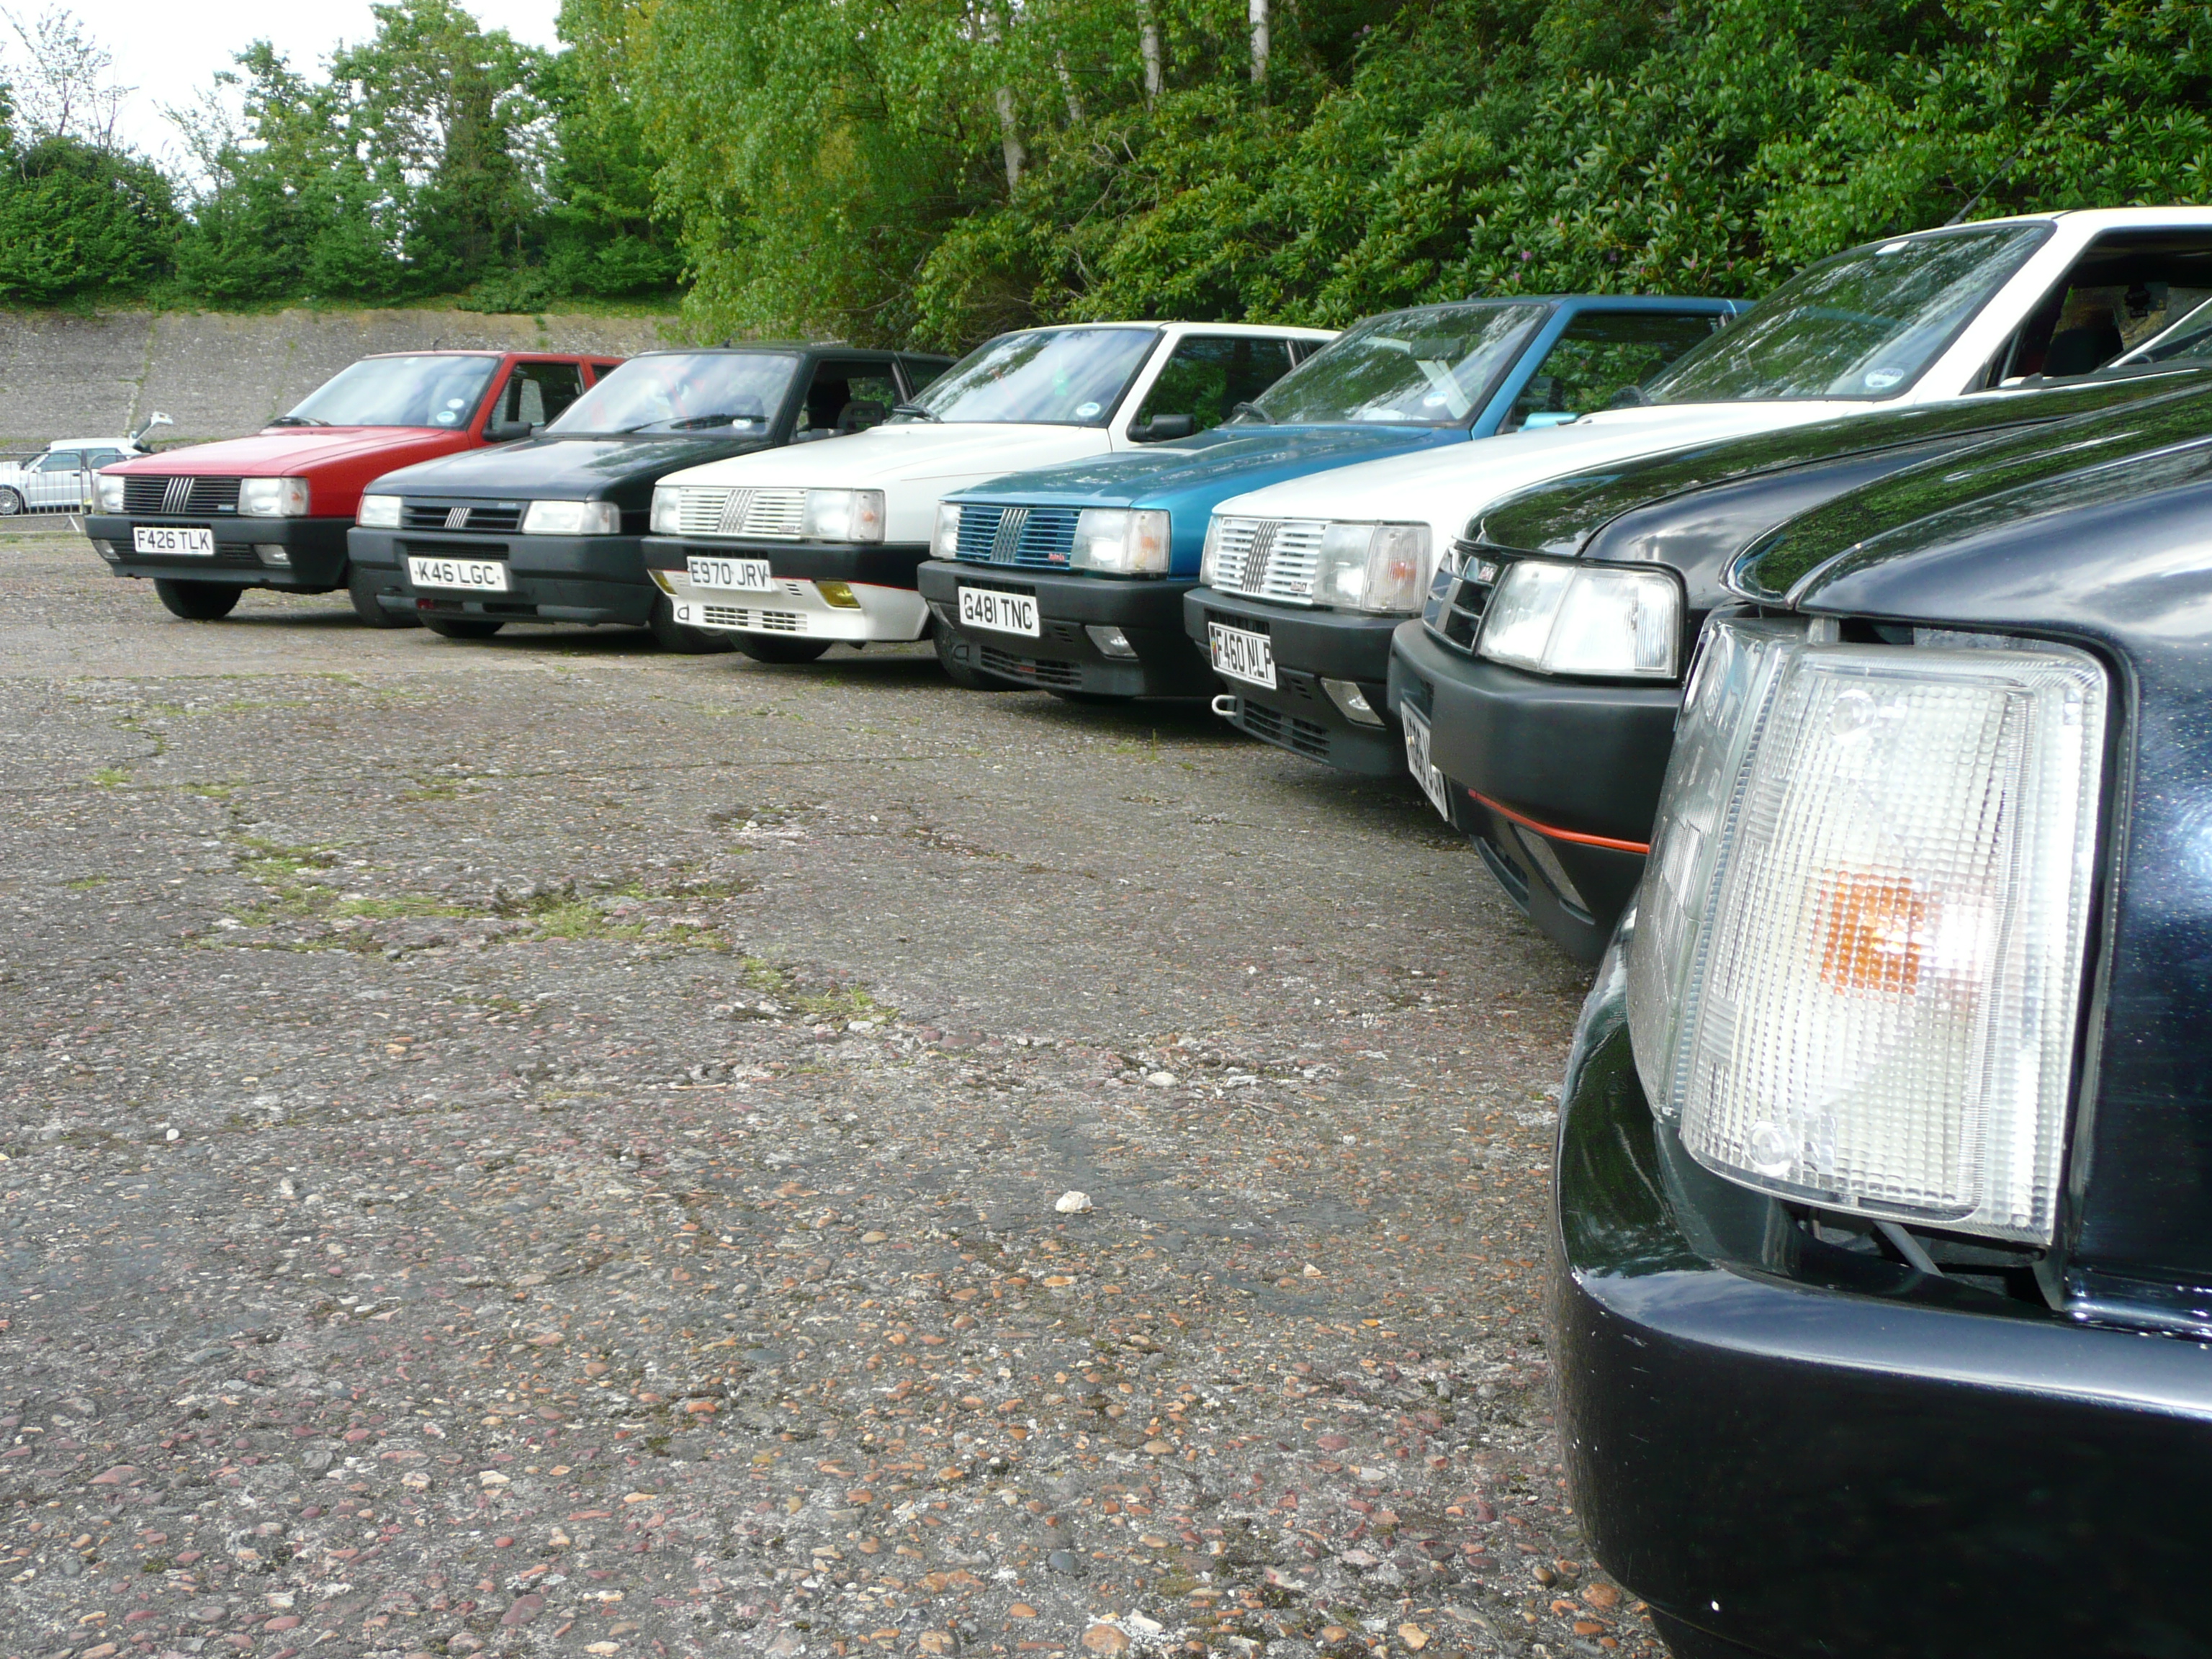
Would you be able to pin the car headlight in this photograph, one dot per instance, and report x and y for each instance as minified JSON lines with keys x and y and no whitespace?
{"x":107,"y":491}
{"x":1373,"y":567}
{"x":1606,"y":621}
{"x":571,"y":519}
{"x":378,"y":512}
{"x":1209,"y":561}
{"x":946,"y":545}
{"x":843,"y":515}
{"x":1857,"y":963}
{"x":667,"y":507}
{"x":273,"y":498}
{"x":1119,"y":542}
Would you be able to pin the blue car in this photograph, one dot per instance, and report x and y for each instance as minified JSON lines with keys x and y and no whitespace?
{"x":1071,"y":578}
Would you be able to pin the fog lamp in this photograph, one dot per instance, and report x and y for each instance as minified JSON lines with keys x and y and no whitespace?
{"x":838,"y":594}
{"x":1351,"y":702}
{"x":272,"y":553}
{"x":1110,"y":640}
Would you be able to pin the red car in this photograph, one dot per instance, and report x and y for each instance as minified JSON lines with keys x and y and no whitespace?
{"x":272,"y":511}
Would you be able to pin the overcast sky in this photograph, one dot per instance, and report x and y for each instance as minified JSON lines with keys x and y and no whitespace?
{"x":168,"y":50}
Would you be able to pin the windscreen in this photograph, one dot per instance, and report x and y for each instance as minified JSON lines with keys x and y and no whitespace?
{"x":1435,"y":367}
{"x":685,"y":391}
{"x":426,"y":391}
{"x":1058,"y":376}
{"x":1864,"y":325}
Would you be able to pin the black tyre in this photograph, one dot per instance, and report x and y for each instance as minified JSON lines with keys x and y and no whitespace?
{"x":462,"y":627}
{"x":673,"y":635}
{"x":768,"y":647}
{"x":197,"y":601}
{"x":361,"y":588}
{"x":1094,"y":698}
{"x":962,"y":673}
{"x":11,"y":503}
{"x":1687,"y":1642}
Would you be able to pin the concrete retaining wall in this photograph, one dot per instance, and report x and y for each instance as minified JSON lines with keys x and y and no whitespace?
{"x":218,"y":376}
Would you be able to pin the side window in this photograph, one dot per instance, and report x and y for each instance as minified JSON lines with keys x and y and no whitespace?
{"x":99,"y":458}
{"x":601,"y":371}
{"x":918,"y":375}
{"x":847,"y":397}
{"x":1203,"y":384}
{"x":1601,"y":354}
{"x":62,"y":460}
{"x":536,"y":392}
{"x":2126,"y":289}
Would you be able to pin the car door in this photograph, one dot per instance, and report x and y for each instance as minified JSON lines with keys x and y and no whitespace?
{"x":1204,"y":380}
{"x":59,"y":479}
{"x":536,"y":392}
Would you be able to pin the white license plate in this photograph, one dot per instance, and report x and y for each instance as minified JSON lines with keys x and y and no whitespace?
{"x":1002,"y":613}
{"x":1417,"y":761}
{"x":164,"y":538}
{"x":1242,"y":654}
{"x":744,"y":575}
{"x":471,"y":575}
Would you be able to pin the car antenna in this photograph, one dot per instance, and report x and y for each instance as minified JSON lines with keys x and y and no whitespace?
{"x":2006,"y":166}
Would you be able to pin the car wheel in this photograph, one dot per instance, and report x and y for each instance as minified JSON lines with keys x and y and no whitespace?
{"x":767,"y":647}
{"x":1092,"y":697}
{"x":11,"y":503}
{"x":673,"y":635}
{"x":361,"y":588}
{"x":462,"y":627}
{"x":1688,"y":1642}
{"x":967,"y":674}
{"x":197,"y":601}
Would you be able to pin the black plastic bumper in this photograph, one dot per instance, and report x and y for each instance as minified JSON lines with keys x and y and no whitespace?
{"x":1308,"y":648}
{"x":574,"y":579}
{"x":889,"y":566}
{"x":314,"y":551}
{"x":1848,"y":1458}
{"x":1064,"y":656}
{"x":1574,"y":764}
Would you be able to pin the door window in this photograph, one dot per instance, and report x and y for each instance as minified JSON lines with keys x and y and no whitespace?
{"x":98,"y":458}
{"x":1600,"y":355}
{"x":847,"y":397}
{"x":1203,"y":384}
{"x":536,"y":392}
{"x":62,"y":460}
{"x":2126,"y":291}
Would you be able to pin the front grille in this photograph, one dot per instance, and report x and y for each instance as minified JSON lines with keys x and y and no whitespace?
{"x":1288,"y":731}
{"x":1066,"y":675}
{"x":1250,"y":624}
{"x":1458,"y":594}
{"x":1268,"y":558}
{"x":776,"y":514}
{"x":455,"y":550}
{"x":178,"y":497}
{"x":775,"y":622}
{"x":492,"y":518}
{"x":1041,"y":537}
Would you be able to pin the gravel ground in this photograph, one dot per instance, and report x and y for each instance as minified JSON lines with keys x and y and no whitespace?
{"x":541,"y":1147}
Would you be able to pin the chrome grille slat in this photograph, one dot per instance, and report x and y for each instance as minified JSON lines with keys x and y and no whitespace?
{"x":777,"y":515}
{"x":1035,"y":537}
{"x":183,"y":495}
{"x":1270,"y":558}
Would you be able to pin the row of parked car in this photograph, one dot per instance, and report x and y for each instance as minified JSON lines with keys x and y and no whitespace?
{"x":1833,"y":675}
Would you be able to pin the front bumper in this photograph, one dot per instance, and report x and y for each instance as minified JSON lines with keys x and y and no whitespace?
{"x":1560,"y":778}
{"x":314,"y":551}
{"x":880,"y":579}
{"x":1308,"y":647}
{"x":1809,"y":1451}
{"x":1064,"y":657}
{"x":573,"y":579}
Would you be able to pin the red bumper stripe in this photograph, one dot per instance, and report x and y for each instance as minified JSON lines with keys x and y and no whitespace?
{"x":1574,"y":836}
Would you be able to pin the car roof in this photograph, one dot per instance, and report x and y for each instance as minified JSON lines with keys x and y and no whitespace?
{"x":1263,"y":330}
{"x":92,"y":443}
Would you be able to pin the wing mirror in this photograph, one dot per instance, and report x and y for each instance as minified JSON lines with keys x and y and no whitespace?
{"x":506,"y":432}
{"x":1162,"y":426}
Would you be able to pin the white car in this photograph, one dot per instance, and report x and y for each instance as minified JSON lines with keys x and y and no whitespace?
{"x":60,"y":480}
{"x":1918,"y":318}
{"x":795,"y":550}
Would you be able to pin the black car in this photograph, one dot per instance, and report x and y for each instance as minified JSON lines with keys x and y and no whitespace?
{"x":548,"y":530}
{"x":1546,"y":740}
{"x":1882,"y":1281}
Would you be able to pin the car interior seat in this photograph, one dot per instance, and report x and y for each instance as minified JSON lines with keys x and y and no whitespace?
{"x":2089,"y":345}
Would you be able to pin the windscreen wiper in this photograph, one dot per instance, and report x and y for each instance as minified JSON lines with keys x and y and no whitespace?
{"x":918,"y":412}
{"x":1255,"y":412}
{"x":297,"y":420}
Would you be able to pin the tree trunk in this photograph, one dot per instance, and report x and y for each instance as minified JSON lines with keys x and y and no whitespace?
{"x":1148,"y":43}
{"x":1259,"y":15}
{"x":1068,"y":88}
{"x":1010,"y":139}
